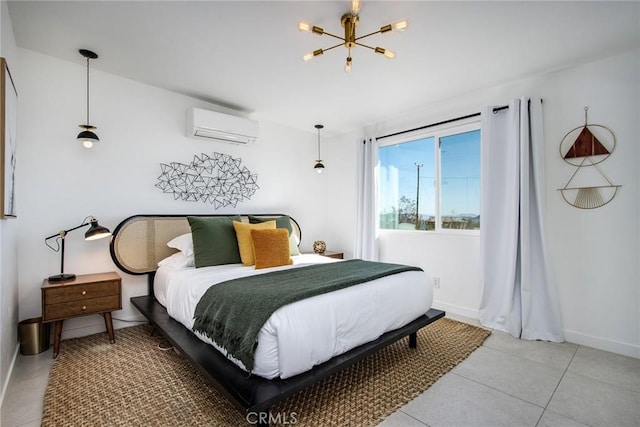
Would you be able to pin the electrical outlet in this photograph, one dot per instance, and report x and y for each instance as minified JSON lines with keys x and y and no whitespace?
{"x":436,"y":282}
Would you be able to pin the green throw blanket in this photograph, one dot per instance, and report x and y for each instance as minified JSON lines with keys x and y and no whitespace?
{"x":232,"y":313}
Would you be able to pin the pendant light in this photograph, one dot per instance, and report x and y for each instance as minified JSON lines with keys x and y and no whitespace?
{"x":87,"y":137}
{"x":319,"y":166}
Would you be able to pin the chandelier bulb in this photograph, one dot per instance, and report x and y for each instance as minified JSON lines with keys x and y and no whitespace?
{"x":304,"y":26}
{"x":347,"y":67}
{"x":388,"y":53}
{"x":401,"y":25}
{"x":310,"y":55}
{"x":355,"y":7}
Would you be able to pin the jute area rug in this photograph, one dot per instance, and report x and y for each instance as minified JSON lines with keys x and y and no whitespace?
{"x":134,"y":383}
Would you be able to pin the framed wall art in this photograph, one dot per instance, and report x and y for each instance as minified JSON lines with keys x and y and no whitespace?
{"x":8,"y":127}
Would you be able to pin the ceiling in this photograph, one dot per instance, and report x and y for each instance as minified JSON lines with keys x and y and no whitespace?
{"x":247,"y":55}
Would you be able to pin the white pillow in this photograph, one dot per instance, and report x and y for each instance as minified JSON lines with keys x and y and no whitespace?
{"x":177,"y":260}
{"x":183,"y":243}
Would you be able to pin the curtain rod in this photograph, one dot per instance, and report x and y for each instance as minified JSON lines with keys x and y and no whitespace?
{"x":468,"y":116}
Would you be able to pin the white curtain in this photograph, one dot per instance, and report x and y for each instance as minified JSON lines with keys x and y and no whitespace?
{"x":519,"y":294}
{"x":366,"y":246}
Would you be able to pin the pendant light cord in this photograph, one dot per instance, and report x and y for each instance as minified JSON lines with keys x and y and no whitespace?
{"x":319,"y":144}
{"x":87,"y":91}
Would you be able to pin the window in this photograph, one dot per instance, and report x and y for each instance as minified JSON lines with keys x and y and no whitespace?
{"x":431,"y":181}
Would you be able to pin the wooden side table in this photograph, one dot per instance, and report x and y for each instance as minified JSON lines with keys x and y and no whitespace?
{"x":84,"y":295}
{"x":332,"y":254}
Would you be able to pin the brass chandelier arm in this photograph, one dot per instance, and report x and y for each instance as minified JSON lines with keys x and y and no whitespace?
{"x":364,"y":45}
{"x":370,"y":34}
{"x":333,"y":35}
{"x":319,"y":52}
{"x":332,"y":47}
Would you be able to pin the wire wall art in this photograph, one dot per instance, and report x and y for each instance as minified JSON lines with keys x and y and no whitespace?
{"x":219,"y":180}
{"x":588,"y":187}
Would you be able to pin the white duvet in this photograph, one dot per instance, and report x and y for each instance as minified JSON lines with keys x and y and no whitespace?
{"x":306,"y":333}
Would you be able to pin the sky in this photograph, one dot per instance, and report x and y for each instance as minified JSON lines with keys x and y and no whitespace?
{"x":460,"y":171}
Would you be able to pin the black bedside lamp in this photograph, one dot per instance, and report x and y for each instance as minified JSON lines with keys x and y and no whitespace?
{"x":95,"y":231}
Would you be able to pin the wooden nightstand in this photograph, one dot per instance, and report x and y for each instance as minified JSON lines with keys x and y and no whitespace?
{"x":332,"y":254}
{"x":86,"y":294}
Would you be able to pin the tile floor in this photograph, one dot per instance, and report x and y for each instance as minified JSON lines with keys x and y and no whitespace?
{"x":506,"y":382}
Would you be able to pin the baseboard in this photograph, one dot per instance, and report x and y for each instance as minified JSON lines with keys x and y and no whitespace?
{"x":9,"y":373}
{"x":617,"y":347}
{"x":468,"y":315}
{"x":472,"y":316}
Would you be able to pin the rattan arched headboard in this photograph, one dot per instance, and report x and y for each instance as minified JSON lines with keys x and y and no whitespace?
{"x":139,"y":242}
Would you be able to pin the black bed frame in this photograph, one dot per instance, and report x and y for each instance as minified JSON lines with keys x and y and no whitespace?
{"x":250,"y":393}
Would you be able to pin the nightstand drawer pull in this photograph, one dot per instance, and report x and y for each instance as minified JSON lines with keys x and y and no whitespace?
{"x":84,"y":292}
{"x":84,"y":307}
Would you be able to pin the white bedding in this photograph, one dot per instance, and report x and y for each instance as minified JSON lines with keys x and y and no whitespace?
{"x":301,"y":335}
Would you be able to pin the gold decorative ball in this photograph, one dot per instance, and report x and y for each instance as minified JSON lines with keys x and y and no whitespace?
{"x":319,"y":247}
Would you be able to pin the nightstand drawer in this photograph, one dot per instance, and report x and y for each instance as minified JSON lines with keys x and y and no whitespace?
{"x":81,"y":307}
{"x":63,"y":294}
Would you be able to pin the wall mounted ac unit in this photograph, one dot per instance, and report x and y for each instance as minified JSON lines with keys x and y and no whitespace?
{"x":219,"y":126}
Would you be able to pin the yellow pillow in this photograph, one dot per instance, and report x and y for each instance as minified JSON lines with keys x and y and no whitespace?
{"x":243,"y":234}
{"x":271,"y":247}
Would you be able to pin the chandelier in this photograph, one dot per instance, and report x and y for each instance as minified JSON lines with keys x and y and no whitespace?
{"x":349,"y":22}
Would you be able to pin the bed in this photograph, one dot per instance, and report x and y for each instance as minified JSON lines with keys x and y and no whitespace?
{"x":282,"y":365}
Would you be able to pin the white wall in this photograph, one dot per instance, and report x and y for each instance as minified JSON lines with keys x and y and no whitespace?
{"x":595,"y":253}
{"x":60,"y":182}
{"x":8,"y":240}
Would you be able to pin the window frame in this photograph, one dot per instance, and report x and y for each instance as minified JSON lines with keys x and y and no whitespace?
{"x":436,"y":132}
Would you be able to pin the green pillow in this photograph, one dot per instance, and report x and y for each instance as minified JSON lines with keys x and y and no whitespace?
{"x":214,"y":240}
{"x":281,"y":222}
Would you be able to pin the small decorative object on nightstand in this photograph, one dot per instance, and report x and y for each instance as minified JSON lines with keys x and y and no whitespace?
{"x":86,"y":294}
{"x":319,"y":246}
